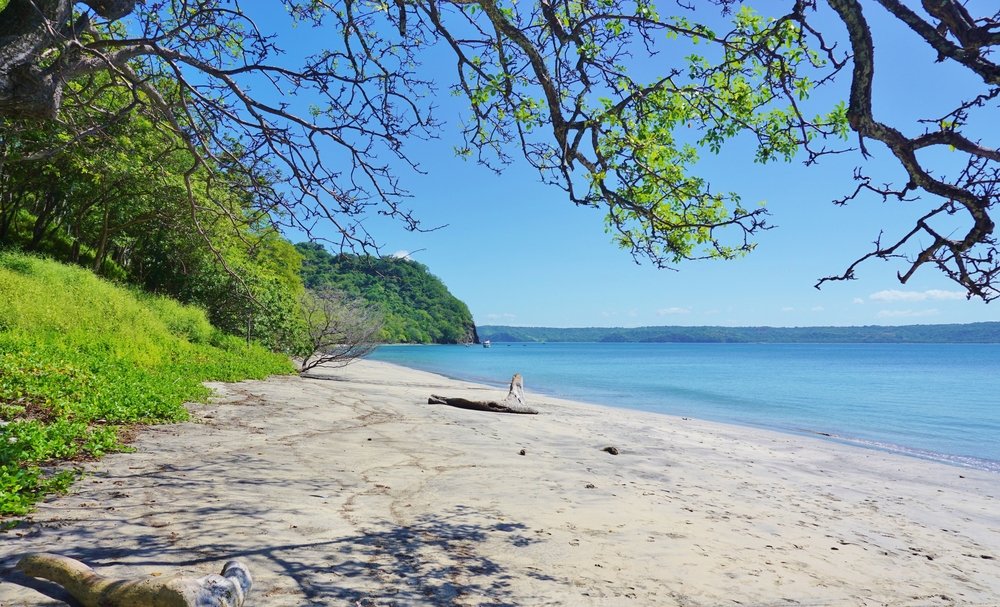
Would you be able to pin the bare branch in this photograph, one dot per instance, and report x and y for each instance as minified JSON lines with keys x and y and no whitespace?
{"x":340,"y":329}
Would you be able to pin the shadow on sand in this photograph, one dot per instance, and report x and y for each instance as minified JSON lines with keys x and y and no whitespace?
{"x":436,"y":560}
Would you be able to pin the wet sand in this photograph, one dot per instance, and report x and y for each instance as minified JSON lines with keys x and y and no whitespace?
{"x":349,"y":490}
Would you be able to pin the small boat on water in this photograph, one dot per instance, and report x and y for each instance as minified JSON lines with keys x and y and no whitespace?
{"x":486,"y":343}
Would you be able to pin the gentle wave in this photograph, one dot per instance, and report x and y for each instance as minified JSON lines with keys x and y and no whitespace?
{"x":964,"y":461}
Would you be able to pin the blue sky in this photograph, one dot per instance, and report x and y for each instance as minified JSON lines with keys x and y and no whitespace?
{"x":518,"y":253}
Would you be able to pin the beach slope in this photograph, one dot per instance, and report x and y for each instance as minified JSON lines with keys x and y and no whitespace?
{"x":348,"y":489}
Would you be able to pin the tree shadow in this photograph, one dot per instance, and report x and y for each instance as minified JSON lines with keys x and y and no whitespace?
{"x":323,"y":376}
{"x":189,"y":515}
{"x":433,"y":561}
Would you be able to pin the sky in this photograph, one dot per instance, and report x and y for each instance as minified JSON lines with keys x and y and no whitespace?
{"x":518,"y":253}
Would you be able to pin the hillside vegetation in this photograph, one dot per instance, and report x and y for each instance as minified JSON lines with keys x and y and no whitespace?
{"x":132,"y":203}
{"x":983,"y":332}
{"x":82,"y":359}
{"x":418,"y":307}
{"x":129,"y":200}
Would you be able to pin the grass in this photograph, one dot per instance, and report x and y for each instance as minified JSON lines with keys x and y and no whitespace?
{"x":83,"y":360}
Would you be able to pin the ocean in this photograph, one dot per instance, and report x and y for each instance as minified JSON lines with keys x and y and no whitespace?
{"x":933,"y":401}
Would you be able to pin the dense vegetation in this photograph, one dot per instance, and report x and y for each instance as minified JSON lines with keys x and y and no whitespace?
{"x":77,"y":369}
{"x":418,"y":307}
{"x":131,"y":202}
{"x":982,"y":332}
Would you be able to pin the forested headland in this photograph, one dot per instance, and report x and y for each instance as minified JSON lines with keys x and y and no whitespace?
{"x":417,"y":306}
{"x":980,"y":332}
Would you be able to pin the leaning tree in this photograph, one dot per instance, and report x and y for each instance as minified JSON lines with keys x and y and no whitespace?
{"x":611,"y":100}
{"x":339,"y":328}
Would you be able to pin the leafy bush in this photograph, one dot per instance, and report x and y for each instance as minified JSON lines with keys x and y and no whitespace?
{"x":81,"y":358}
{"x":188,"y":322}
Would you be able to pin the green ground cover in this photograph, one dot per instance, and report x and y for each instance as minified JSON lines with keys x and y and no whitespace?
{"x":83,"y":360}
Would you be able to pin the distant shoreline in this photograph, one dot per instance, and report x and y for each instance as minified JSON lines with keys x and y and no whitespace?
{"x":968,"y":333}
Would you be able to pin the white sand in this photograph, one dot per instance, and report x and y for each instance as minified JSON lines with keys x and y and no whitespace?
{"x":351,"y":491}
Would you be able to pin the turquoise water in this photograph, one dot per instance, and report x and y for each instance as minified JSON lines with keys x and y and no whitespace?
{"x":935,"y":401}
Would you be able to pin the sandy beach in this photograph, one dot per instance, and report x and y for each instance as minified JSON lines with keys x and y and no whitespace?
{"x":348,"y":489}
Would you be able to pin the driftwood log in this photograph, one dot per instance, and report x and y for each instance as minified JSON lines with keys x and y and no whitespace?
{"x":514,"y":403}
{"x":94,"y":590}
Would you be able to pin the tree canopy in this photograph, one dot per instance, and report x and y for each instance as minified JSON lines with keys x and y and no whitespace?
{"x":611,"y":100}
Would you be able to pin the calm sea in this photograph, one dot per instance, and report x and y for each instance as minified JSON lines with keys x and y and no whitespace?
{"x":935,"y":401}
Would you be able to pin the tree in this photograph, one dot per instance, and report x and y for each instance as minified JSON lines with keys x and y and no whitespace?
{"x":193,"y":63}
{"x":341,"y":329}
{"x":557,"y":81}
{"x":970,"y":259}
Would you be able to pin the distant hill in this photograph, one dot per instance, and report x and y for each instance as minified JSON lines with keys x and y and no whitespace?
{"x":980,"y":332}
{"x":418,"y":307}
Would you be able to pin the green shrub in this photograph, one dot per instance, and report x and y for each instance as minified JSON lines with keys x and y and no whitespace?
{"x":188,"y":322}
{"x":81,"y":358}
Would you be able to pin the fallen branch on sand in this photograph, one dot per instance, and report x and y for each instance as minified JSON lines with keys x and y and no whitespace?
{"x":514,"y":403}
{"x":94,"y":590}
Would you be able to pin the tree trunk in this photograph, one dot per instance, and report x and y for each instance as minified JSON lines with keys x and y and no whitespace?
{"x":94,"y":590}
{"x":9,"y":206}
{"x":43,"y":209}
{"x":102,"y":245}
{"x":514,"y":403}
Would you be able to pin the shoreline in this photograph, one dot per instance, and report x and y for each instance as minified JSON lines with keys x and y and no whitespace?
{"x":661,"y":403}
{"x":954,"y":461}
{"x":351,"y":490}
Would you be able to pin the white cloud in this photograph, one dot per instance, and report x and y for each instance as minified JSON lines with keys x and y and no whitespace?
{"x":932,"y":294}
{"x":858,"y":300}
{"x":672,"y":311}
{"x":401,"y":254}
{"x":788,"y":309}
{"x":817,"y":309}
{"x":907,"y":313}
